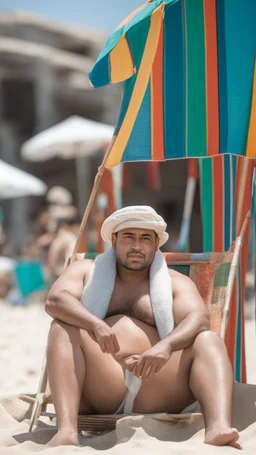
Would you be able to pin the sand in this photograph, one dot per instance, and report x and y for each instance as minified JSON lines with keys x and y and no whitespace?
{"x":22,"y":345}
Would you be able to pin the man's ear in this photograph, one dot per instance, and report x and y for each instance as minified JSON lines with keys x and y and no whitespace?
{"x":157,"y":243}
{"x":113,"y":238}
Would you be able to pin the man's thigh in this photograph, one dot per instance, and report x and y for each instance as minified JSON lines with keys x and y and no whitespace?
{"x":104,"y":387}
{"x":168,"y":390}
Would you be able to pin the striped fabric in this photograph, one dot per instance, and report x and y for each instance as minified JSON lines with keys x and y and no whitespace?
{"x":189,"y":80}
{"x":226,"y":197}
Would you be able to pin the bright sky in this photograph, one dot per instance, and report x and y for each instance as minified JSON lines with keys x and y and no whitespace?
{"x":103,"y":15}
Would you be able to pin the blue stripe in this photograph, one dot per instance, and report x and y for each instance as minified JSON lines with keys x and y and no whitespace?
{"x":174,"y":83}
{"x":201,"y":256}
{"x":128,"y":89}
{"x":222,"y":76}
{"x":139,"y":144}
{"x":101,"y":75}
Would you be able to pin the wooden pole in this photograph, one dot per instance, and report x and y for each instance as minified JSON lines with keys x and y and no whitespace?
{"x":93,"y":194}
{"x":232,"y":275}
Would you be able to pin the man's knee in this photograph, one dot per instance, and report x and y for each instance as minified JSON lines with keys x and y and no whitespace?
{"x":59,"y":328}
{"x":206,"y":340}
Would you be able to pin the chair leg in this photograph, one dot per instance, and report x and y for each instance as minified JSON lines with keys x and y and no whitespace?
{"x":34,"y":415}
{"x":39,"y":401}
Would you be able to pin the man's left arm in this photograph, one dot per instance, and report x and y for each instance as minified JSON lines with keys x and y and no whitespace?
{"x":191,"y":315}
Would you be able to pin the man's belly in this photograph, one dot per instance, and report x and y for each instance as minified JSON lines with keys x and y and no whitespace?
{"x":134,"y":336}
{"x":166,"y":391}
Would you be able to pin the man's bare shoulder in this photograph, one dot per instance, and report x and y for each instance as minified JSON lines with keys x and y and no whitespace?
{"x":73,"y":278}
{"x":79,"y":267}
{"x":182,"y":284}
{"x":179,"y":277}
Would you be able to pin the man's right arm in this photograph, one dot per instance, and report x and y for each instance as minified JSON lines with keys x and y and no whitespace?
{"x":64,"y":303}
{"x":64,"y":298}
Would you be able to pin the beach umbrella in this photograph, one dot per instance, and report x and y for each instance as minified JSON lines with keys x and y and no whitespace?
{"x":188,"y":68}
{"x":72,"y":138}
{"x":75,"y":137}
{"x":17,"y":183}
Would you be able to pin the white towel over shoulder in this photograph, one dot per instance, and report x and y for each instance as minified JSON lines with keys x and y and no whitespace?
{"x":99,"y":289}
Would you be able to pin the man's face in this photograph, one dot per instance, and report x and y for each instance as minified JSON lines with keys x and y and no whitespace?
{"x":135,"y":248}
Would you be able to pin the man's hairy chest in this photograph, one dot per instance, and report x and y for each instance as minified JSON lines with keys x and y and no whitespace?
{"x":132,"y":302}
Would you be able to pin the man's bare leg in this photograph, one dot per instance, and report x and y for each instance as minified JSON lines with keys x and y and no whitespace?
{"x":211,"y":381}
{"x":78,"y":372}
{"x":66,"y":371}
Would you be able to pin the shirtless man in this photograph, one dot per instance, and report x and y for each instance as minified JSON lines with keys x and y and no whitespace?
{"x":87,"y":355}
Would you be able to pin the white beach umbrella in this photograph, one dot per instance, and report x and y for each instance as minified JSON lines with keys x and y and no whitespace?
{"x":75,"y":137}
{"x":71,"y":138}
{"x":16,"y":183}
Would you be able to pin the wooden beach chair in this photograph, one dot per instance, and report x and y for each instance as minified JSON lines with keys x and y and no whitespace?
{"x":214,"y":275}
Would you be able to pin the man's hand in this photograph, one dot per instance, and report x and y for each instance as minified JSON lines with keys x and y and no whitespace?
{"x":106,"y":338}
{"x":145,"y":365}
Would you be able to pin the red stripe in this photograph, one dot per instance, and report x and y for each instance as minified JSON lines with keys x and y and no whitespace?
{"x":193,"y":168}
{"x":212,"y":92}
{"x":157,"y":114}
{"x":239,"y":164}
{"x":218,"y":198}
{"x":129,"y":18}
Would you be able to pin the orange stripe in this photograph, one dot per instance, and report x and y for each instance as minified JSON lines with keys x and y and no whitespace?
{"x":129,"y":18}
{"x":218,"y":243}
{"x":157,"y":114}
{"x":193,"y":168}
{"x":241,"y":186}
{"x":212,"y":92}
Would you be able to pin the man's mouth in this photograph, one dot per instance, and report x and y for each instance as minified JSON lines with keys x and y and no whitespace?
{"x":135,"y":256}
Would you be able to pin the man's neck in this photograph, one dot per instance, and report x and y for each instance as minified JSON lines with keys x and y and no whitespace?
{"x":131,"y":276}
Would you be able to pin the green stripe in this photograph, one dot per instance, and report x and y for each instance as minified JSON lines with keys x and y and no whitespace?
{"x":205,"y":167}
{"x":196,"y":96}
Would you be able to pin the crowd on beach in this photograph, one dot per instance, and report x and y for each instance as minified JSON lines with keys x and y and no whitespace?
{"x":40,"y":261}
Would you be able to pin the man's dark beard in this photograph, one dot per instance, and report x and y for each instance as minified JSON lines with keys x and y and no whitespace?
{"x":125,"y":266}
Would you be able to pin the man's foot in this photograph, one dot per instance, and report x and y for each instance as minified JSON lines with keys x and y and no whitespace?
{"x":64,"y":437}
{"x":222,"y":436}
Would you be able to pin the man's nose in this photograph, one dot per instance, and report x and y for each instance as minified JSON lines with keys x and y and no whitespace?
{"x":136,"y":245}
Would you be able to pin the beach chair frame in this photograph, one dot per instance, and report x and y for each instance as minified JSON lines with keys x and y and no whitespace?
{"x":211,"y":263}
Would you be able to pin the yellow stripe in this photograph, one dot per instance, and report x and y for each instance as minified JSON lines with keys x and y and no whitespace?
{"x":251,"y":143}
{"x":139,"y":88}
{"x":121,"y":62}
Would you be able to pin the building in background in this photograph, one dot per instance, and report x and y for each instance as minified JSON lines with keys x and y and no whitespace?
{"x":43,"y":80}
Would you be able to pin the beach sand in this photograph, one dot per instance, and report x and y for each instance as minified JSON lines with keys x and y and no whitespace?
{"x":22,"y":345}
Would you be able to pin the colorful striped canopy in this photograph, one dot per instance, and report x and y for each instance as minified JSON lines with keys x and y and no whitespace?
{"x":188,"y":69}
